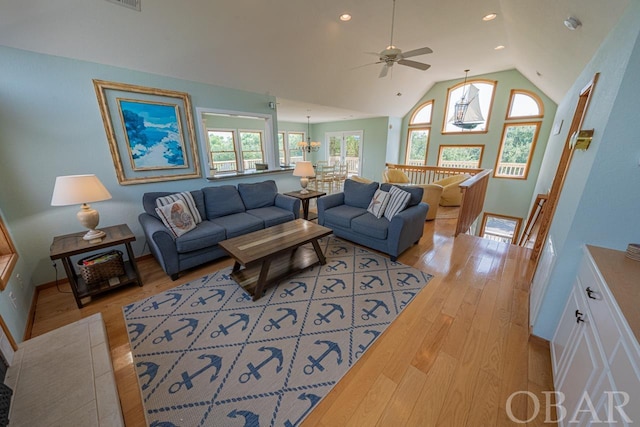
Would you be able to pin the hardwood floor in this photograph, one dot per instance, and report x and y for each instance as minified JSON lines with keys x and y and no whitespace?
{"x":452,"y":358}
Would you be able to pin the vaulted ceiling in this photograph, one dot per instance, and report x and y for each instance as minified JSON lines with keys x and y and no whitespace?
{"x":300,"y":52}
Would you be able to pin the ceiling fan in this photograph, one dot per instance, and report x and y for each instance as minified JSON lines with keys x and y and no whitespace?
{"x":392,"y":54}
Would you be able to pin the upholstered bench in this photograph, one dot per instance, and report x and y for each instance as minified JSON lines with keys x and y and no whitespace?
{"x":65,"y":378}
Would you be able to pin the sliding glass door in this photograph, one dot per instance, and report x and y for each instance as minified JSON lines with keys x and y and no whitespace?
{"x":345,"y":147}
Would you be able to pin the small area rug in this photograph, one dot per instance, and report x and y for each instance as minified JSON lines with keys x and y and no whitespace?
{"x":207,"y":355}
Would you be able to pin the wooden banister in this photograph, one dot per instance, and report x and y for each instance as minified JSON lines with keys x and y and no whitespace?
{"x":473,"y":189}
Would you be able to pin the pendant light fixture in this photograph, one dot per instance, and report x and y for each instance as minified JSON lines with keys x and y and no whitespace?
{"x":309,"y":145}
{"x":462,"y":105}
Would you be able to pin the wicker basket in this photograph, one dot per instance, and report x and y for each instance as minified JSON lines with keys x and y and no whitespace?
{"x":100,"y":271}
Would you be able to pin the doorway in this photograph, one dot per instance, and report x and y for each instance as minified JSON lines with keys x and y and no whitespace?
{"x":345,"y":147}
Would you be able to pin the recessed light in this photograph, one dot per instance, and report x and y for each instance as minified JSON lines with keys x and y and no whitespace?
{"x":499,"y":47}
{"x":345,"y":17}
{"x":490,"y":16}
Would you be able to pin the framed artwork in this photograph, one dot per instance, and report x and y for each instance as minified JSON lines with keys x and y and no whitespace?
{"x":150,"y":132}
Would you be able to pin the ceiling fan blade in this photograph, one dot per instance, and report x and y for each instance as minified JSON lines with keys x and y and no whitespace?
{"x":414,"y":64}
{"x":384,"y":71}
{"x":364,"y":65}
{"x":416,"y":52}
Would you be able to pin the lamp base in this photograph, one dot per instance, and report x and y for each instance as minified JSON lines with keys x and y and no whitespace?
{"x":94,"y":236}
{"x":304,"y":181}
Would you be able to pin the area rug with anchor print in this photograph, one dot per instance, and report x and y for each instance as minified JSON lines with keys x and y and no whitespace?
{"x":207,"y":355}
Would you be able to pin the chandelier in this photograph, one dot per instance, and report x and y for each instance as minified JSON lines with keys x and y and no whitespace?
{"x":309,"y":145}
{"x":460,"y":109}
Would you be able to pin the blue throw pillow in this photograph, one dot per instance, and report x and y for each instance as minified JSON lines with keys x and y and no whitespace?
{"x":259,"y":194}
{"x":359,"y":194}
{"x":221,"y":201}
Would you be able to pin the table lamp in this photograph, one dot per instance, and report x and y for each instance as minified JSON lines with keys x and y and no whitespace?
{"x":304,"y":170}
{"x":82,"y":189}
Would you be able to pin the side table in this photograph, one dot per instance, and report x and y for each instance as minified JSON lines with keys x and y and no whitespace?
{"x":305,"y":198}
{"x":64,"y":247}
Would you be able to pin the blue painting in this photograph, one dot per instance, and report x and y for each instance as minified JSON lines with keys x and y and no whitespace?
{"x":153,"y":135}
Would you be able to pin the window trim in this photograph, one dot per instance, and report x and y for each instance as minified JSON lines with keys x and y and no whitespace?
{"x":516,"y":230}
{"x":533,"y":95}
{"x":480,"y":146}
{"x":304,"y":138}
{"x":417,"y":110}
{"x":488,"y":118}
{"x":406,"y":148}
{"x":235,"y":150}
{"x":261,"y":133}
{"x":8,"y":255}
{"x":531,"y":151}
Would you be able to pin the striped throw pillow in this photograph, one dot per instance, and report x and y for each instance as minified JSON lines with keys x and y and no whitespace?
{"x":186,"y":198}
{"x":398,"y":200}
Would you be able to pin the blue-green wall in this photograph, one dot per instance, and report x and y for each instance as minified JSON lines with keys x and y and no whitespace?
{"x":504,"y":196}
{"x":51,"y":125}
{"x":600,"y":200}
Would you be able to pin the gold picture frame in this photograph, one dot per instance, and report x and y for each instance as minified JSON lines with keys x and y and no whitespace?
{"x":150,"y":131}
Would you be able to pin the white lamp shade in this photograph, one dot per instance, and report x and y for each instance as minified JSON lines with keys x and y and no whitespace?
{"x":78,"y":189}
{"x":304,"y":169}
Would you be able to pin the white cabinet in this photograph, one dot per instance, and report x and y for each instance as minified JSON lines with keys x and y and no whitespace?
{"x":595,"y":351}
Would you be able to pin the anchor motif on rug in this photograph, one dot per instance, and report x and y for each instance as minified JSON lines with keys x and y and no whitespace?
{"x":275,"y":323}
{"x":289,"y":292}
{"x":324,"y":318}
{"x":243,"y":297}
{"x":338,"y":250}
{"x":168,"y":335}
{"x":329,"y":288}
{"x":254,"y":371}
{"x":372,"y":313}
{"x":138,"y":329}
{"x":364,"y":347}
{"x":334,"y":267}
{"x":151,"y":370}
{"x":215,"y":362}
{"x":368,"y":284}
{"x":369,"y":261}
{"x":203,"y":301}
{"x":313,"y":400}
{"x":162,"y":424}
{"x":175,"y":297}
{"x":332,"y":347}
{"x":224,"y":329}
{"x":250,"y":419}
{"x":407,"y":276}
{"x":403,"y":304}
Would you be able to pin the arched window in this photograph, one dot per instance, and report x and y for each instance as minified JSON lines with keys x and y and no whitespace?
{"x":524,"y":105}
{"x":418,"y":135}
{"x":469,"y":106}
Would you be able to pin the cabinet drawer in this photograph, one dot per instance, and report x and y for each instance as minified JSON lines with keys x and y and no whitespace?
{"x":601,"y":308}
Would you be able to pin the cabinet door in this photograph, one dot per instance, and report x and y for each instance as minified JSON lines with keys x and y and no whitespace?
{"x":626,"y":380}
{"x":565,"y":335}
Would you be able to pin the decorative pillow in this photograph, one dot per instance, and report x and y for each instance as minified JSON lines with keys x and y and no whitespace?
{"x":176,"y":217}
{"x":187,"y":199}
{"x":398,"y":200}
{"x":379,"y":203}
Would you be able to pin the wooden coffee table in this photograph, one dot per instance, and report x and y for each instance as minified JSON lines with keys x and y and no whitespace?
{"x":274,"y":253}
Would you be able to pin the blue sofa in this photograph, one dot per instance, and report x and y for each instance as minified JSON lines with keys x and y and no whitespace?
{"x":226,"y":212}
{"x":346,"y":214}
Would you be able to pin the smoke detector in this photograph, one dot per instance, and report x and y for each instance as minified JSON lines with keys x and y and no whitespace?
{"x":572,"y":23}
{"x":131,"y":4}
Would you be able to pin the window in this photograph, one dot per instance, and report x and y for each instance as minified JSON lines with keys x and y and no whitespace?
{"x":460,"y":156}
{"x":516,"y":150}
{"x":501,"y":228}
{"x":222,"y":150}
{"x":478,"y":94}
{"x":418,"y":135}
{"x":8,"y":256}
{"x":251,"y":149}
{"x":524,"y":104}
{"x":295,"y":153}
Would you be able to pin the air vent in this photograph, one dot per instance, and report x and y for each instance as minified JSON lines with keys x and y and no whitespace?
{"x":131,"y":4}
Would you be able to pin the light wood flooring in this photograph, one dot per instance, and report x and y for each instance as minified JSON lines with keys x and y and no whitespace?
{"x":452,"y":358}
